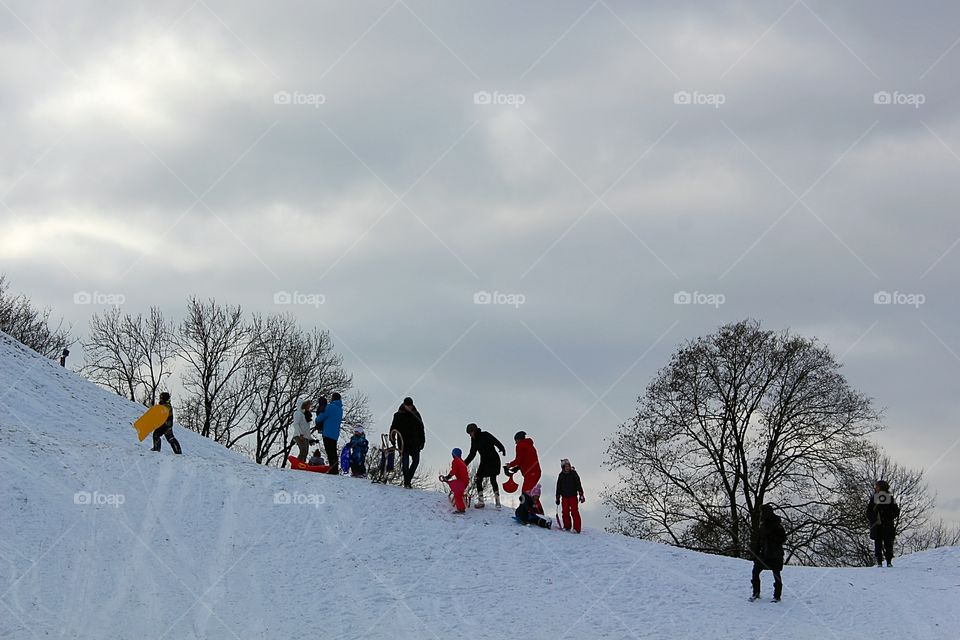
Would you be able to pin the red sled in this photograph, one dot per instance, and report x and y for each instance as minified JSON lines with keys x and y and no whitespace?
{"x":303,"y":466}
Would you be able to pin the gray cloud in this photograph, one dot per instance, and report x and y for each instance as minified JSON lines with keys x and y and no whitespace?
{"x":119,"y":119}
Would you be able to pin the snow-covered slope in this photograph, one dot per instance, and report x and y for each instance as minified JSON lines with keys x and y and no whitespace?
{"x":208,"y":545}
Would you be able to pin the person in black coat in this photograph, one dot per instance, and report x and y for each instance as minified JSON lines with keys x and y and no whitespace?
{"x":166,"y":429}
{"x":487,"y":445}
{"x":408,"y":424}
{"x":769,"y":552}
{"x":882,"y":514}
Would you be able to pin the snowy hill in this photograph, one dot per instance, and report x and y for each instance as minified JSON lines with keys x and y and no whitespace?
{"x":100,"y":538}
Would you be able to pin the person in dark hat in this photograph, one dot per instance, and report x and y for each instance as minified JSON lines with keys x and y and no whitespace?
{"x":408,"y":424}
{"x":769,"y":552}
{"x":166,"y":429}
{"x":882,"y":514}
{"x":527,"y":462}
{"x":486,"y":445}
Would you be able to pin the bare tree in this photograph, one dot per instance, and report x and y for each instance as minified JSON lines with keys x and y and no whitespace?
{"x":31,"y":325}
{"x":130,"y":355}
{"x":215,"y":342}
{"x":739,"y":418}
{"x":288,"y":365}
{"x":113,"y":360}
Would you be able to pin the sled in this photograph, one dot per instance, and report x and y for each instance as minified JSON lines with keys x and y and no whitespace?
{"x":510,"y":485}
{"x":151,"y":420}
{"x":390,"y":447}
{"x":303,"y":466}
{"x":345,"y":460}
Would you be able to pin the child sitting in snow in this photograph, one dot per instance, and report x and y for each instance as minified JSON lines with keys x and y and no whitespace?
{"x":458,"y":479}
{"x":358,"y":453}
{"x":530,"y":511}
{"x":316,"y":460}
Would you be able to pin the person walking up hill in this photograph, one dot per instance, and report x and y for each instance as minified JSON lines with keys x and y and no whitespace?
{"x":486,"y":445}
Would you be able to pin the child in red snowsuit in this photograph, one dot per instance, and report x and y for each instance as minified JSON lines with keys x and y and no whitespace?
{"x":528,"y":463}
{"x":458,"y":479}
{"x":570,"y":494}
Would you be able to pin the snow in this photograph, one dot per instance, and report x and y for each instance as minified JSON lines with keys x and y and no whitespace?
{"x":202,"y":546}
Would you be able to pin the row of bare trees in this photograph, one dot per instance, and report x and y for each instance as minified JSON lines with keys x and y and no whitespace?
{"x":31,"y":325}
{"x":240,"y":378}
{"x":748,"y":416}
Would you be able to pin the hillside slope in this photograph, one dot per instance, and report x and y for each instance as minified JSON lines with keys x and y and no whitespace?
{"x":199,"y":546}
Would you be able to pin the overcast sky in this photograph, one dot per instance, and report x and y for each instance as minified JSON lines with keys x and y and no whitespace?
{"x":786,"y":161}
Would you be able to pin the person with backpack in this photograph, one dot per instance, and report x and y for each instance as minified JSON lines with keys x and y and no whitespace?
{"x":408,"y":424}
{"x":769,"y":552}
{"x":882,"y":514}
{"x":527,"y":462}
{"x":486,"y":445}
{"x":529,"y":511}
{"x":328,"y":423}
{"x":570,"y":495}
{"x":358,"y":453}
{"x":458,"y":480}
{"x":166,"y":429}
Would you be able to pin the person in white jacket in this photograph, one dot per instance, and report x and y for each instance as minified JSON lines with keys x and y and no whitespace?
{"x":302,"y":422}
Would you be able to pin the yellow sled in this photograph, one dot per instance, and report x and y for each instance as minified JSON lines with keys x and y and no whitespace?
{"x":151,"y":420}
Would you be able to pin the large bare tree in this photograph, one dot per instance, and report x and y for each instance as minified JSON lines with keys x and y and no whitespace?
{"x":130,"y":355}
{"x":739,"y":418}
{"x":215,"y":341}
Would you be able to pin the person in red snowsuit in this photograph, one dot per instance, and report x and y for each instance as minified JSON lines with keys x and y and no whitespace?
{"x":458,"y":479}
{"x":526,"y":463}
{"x":569,"y":494}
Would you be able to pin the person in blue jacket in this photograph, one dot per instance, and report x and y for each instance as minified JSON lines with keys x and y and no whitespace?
{"x":328,"y":423}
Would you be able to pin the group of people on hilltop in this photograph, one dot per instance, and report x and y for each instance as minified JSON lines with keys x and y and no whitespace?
{"x":484,"y":444}
{"x":407,"y":433}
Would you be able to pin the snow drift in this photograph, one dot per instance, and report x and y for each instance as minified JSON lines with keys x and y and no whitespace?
{"x":100,"y":538}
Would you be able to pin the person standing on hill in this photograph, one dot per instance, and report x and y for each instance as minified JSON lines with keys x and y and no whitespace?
{"x":328,"y":422}
{"x":527,"y":462}
{"x":458,"y":479}
{"x":166,"y":429}
{"x":882,"y":514}
{"x":485,"y":444}
{"x":769,"y":552}
{"x":408,"y":423}
{"x":358,"y":452}
{"x":570,"y":494}
{"x":302,"y":419}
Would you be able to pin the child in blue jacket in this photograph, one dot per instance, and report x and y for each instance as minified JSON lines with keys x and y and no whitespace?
{"x":358,"y":453}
